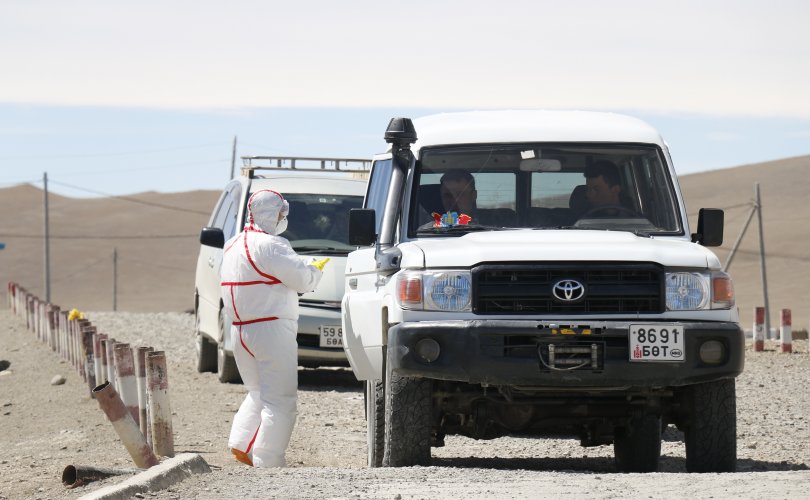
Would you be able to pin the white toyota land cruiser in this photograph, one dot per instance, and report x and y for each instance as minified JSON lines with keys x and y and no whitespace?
{"x":534,"y":307}
{"x":320,"y":191}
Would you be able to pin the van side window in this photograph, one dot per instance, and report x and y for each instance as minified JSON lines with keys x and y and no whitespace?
{"x":378,"y":189}
{"x":229,"y":227}
{"x":225,"y":205}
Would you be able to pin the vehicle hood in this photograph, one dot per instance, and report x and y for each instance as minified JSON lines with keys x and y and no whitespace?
{"x":562,"y":245}
{"x":331,"y":286}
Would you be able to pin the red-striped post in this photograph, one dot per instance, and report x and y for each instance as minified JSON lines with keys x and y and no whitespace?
{"x":124,"y":425}
{"x":110,"y":349}
{"x":104,"y":372}
{"x":87,"y":348}
{"x":759,"y":329}
{"x":786,"y":331}
{"x":98,"y":356}
{"x":140,"y":379}
{"x":125,"y":375}
{"x":157,"y":388}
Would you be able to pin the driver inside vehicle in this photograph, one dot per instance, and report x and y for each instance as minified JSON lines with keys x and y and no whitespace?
{"x":604,"y":191}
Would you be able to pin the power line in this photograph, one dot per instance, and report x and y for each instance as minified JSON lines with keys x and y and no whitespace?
{"x":101,"y":155}
{"x":81,"y":270}
{"x":132,"y":200}
{"x":97,"y":237}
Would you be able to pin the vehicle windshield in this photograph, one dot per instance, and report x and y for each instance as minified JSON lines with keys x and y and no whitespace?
{"x":543,"y":186}
{"x":319,"y":223}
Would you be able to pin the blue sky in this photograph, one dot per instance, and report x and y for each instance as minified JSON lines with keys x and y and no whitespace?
{"x":122,"y":98}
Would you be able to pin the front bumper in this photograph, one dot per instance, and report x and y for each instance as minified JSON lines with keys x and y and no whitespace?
{"x":505,"y":352}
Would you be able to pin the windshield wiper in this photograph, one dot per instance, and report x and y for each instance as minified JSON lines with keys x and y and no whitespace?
{"x":323,"y":250}
{"x":637,"y":232}
{"x":461,"y":228}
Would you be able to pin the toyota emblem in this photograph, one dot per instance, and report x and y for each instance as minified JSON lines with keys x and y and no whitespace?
{"x":568,"y":291}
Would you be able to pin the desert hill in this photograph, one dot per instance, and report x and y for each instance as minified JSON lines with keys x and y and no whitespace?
{"x":156,"y":237}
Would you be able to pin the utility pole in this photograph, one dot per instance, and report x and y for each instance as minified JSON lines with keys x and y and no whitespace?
{"x":758,"y":202}
{"x":47,"y":241}
{"x":115,"y":279}
{"x":233,"y":159}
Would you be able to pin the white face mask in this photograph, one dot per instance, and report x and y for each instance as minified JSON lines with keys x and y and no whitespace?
{"x":281,"y":226}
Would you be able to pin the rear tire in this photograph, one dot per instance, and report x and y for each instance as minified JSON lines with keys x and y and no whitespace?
{"x":637,"y":448}
{"x":711,"y":427}
{"x":408,"y":420}
{"x":227,"y":371}
{"x":375,"y":421}
{"x":206,"y":350}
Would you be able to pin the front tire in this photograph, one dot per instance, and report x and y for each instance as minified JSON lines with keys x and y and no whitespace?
{"x":637,"y":447}
{"x":408,"y":420}
{"x":711,"y":427}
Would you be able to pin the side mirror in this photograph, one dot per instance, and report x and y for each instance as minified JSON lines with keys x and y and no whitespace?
{"x":710,"y":227}
{"x":362,"y":227}
{"x":212,"y":237}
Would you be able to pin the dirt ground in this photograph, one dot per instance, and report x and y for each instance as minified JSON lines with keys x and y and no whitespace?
{"x":44,"y":428}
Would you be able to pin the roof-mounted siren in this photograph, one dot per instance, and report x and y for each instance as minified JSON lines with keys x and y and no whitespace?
{"x":400,"y":132}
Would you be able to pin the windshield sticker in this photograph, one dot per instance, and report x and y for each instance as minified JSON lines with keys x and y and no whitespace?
{"x":450,"y":219}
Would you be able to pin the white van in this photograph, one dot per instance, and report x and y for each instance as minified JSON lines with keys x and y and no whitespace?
{"x":320,"y":191}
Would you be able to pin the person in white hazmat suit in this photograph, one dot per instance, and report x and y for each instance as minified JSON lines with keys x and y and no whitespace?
{"x":261,"y":277}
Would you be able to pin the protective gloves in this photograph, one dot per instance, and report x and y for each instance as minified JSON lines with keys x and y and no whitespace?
{"x":319,"y":264}
{"x":75,"y":314}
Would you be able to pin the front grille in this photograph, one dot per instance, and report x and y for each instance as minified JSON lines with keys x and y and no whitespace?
{"x":610,"y":288}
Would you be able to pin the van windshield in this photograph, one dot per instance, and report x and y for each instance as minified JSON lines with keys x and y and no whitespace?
{"x":319,"y":223}
{"x":543,"y":186}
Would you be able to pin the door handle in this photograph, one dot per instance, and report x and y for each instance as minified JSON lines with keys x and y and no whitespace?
{"x":352,"y":283}
{"x":210,"y":262}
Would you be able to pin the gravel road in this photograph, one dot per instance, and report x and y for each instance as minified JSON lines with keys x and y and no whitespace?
{"x":45,"y":427}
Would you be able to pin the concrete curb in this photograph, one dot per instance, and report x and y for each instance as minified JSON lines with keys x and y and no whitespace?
{"x":163,"y":475}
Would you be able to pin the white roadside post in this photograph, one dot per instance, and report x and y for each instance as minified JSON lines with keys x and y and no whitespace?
{"x":125,"y":375}
{"x":125,"y":426}
{"x":160,"y":411}
{"x":110,"y":350}
{"x":98,"y":358}
{"x":104,"y":372}
{"x":786,"y":331}
{"x":88,"y":333}
{"x":143,"y":403}
{"x":759,"y":329}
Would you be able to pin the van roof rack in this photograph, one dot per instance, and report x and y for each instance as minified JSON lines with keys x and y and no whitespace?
{"x":352,"y":165}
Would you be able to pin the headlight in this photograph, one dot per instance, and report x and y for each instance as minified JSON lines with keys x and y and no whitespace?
{"x":687,"y":291}
{"x":435,"y":290}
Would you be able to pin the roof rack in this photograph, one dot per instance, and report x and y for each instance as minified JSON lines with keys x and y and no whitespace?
{"x":253,"y":163}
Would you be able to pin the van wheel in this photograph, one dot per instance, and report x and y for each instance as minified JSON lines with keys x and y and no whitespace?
{"x":206,"y":350}
{"x":711,"y":427}
{"x":637,"y":447}
{"x":408,"y":422}
{"x":375,"y":421}
{"x":227,"y":371}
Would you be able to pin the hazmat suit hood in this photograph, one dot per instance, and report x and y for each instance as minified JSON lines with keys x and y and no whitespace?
{"x":264,"y":206}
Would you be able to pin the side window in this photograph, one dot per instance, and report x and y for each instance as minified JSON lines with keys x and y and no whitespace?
{"x":229,"y":228}
{"x":378,"y":189}
{"x":222,"y":211}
